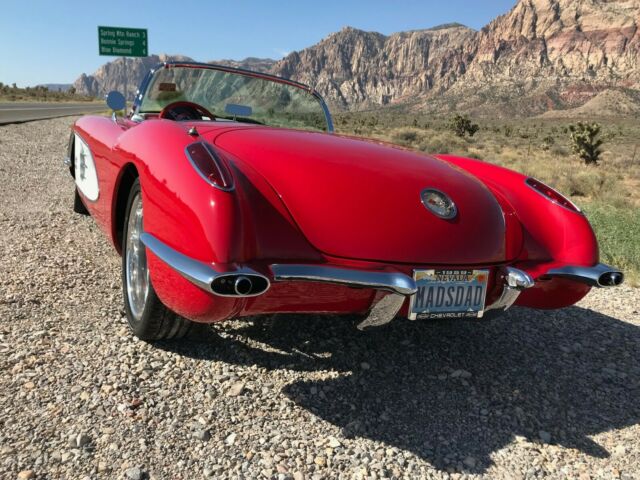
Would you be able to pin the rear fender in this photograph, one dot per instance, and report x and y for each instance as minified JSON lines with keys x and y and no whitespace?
{"x":552,"y":235}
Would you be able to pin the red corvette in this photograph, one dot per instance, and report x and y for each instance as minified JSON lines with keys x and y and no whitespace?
{"x":227,"y":195}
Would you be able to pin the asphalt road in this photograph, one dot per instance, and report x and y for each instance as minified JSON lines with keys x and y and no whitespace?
{"x":17,"y":112}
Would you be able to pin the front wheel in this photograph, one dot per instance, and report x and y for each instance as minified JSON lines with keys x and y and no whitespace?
{"x":148,"y":317}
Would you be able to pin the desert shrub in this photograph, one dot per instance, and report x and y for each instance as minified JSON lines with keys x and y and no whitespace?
{"x":461,"y":125}
{"x":444,"y":142}
{"x":548,"y":142}
{"x":584,"y":184}
{"x":406,"y":136}
{"x":596,"y":184}
{"x":508,"y":130}
{"x":585,"y":142}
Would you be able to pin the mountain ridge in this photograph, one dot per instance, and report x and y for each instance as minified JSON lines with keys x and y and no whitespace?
{"x":542,"y":55}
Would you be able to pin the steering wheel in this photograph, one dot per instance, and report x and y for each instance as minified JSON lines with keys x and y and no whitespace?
{"x":185,"y":111}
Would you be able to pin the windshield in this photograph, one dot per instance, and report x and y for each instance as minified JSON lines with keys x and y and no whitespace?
{"x":235,"y":96}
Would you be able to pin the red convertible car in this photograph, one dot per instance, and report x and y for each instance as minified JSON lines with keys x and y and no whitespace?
{"x":227,"y":194}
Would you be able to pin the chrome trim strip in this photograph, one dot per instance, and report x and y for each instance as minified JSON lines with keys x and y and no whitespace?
{"x":588,"y":275}
{"x":199,"y":273}
{"x":390,"y":281}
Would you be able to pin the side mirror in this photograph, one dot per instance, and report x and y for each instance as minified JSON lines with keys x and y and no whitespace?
{"x":116,"y":101}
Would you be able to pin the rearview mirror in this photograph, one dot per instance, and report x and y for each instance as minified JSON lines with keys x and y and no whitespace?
{"x":116,"y":101}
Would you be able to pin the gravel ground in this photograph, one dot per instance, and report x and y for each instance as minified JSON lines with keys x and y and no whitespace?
{"x":529,"y":395}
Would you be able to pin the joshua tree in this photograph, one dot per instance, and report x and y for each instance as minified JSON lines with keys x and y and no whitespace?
{"x":585,"y":142}
{"x":461,"y":125}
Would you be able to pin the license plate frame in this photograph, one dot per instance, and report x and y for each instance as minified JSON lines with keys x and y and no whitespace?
{"x":435,"y":278}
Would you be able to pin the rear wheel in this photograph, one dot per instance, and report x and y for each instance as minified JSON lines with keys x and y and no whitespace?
{"x":148,"y":317}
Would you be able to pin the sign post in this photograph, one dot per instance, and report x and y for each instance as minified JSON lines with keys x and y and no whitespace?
{"x":123,"y":42}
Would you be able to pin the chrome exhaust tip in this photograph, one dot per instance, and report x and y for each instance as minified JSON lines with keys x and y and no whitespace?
{"x":239,"y":285}
{"x":610,"y":279}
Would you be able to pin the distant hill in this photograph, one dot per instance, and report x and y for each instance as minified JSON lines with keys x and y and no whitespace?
{"x":57,"y":87}
{"x":543,"y":55}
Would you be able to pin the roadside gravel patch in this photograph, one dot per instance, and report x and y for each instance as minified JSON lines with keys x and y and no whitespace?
{"x":530,"y":395}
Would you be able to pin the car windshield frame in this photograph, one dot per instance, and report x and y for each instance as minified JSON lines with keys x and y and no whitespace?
{"x":148,"y":80}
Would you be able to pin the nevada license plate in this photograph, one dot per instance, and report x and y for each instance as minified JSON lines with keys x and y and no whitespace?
{"x":449,"y":293}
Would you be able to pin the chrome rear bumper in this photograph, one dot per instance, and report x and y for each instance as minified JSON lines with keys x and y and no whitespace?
{"x":245,"y":282}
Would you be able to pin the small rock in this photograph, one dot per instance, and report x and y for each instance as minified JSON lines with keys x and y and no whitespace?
{"x":102,"y":467}
{"x":204,"y":435}
{"x":619,"y":450}
{"x":298,"y":476}
{"x":26,"y":475}
{"x":320,"y":461}
{"x":231,"y":439}
{"x":334,"y":442}
{"x":134,"y":473}
{"x":29,"y":386}
{"x":83,"y":440}
{"x":236,"y":389}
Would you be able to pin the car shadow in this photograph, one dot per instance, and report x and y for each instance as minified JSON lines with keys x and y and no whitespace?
{"x":449,"y":390}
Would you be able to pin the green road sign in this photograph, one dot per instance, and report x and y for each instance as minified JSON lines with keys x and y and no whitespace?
{"x":123,"y":42}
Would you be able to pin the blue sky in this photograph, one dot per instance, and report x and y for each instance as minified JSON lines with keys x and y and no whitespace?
{"x":45,"y":41}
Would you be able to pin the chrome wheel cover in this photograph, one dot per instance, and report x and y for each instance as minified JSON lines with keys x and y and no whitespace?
{"x":137,"y":273}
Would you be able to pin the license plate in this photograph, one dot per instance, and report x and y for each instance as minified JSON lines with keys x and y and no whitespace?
{"x":449,"y":294}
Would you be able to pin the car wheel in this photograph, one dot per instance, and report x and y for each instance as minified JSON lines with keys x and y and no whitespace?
{"x":148,"y":317}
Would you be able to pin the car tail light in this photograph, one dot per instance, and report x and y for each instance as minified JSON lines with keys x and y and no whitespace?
{"x":210,"y":165}
{"x":552,"y":194}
